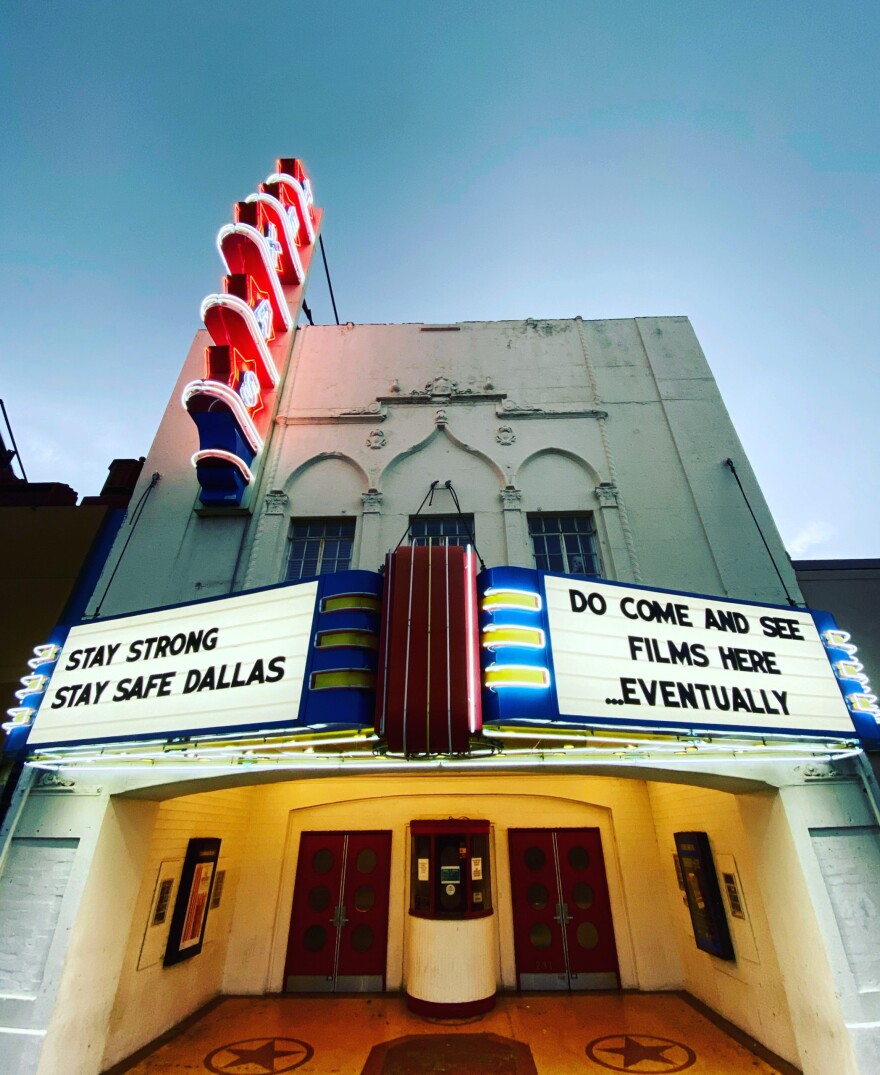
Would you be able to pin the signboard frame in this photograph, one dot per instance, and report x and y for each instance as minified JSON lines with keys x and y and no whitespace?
{"x":524,"y":705}
{"x":192,"y":906}
{"x":307,"y":708}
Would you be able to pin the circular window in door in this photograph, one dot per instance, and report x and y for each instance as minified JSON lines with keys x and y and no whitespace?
{"x":361,"y":938}
{"x":366,"y":860}
{"x":319,"y":898}
{"x":578,"y":858}
{"x":587,"y":935}
{"x":537,"y":896}
{"x":315,"y":938}
{"x":583,"y":895}
{"x":364,"y":898}
{"x":322,"y":861}
{"x":534,"y":858}
{"x":540,"y":935}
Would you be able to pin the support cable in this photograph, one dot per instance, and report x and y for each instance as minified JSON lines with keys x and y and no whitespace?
{"x":429,"y":499}
{"x":329,"y":283}
{"x":465,"y":521}
{"x":729,"y":464}
{"x":132,"y":523}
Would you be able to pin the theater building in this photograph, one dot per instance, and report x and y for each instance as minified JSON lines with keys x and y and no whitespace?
{"x":445,"y":660}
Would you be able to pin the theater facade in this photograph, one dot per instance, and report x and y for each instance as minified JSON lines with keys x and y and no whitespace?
{"x":444,"y":660}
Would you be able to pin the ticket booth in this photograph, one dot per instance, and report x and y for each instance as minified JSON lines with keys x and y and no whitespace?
{"x":450,"y":950}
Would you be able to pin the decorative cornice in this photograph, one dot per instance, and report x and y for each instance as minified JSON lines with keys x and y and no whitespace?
{"x":374,"y":413}
{"x":425,"y":399}
{"x":509,"y":409}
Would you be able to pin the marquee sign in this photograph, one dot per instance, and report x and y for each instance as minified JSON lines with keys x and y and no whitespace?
{"x":560,"y":648}
{"x":267,"y":252}
{"x":555,"y":651}
{"x":271,"y":658}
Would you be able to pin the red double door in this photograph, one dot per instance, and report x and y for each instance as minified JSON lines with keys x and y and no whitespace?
{"x":339,"y":924}
{"x":563,"y":933}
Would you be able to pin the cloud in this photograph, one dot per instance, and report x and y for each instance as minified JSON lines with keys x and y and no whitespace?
{"x":808,"y":537}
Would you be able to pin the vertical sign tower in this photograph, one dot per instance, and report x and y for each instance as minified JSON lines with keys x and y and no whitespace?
{"x":267,"y":252}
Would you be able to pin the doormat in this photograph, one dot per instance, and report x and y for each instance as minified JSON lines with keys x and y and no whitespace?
{"x":450,"y":1054}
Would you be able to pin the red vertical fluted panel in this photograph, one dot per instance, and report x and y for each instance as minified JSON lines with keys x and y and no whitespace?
{"x":428,"y":693}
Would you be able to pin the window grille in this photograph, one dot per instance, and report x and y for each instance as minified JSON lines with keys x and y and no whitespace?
{"x":565,"y":543}
{"x":319,"y":547}
{"x":441,"y":530}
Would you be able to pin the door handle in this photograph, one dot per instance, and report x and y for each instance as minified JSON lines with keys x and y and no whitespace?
{"x":562,"y":916}
{"x":339,"y":918}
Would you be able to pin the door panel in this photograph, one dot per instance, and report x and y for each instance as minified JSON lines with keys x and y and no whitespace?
{"x":563,"y":932}
{"x":363,"y":937}
{"x":311,"y":947}
{"x":592,"y":953}
{"x":538,"y":940}
{"x":339,"y":921}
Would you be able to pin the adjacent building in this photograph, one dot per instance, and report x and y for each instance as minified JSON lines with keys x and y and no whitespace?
{"x":443,"y":659}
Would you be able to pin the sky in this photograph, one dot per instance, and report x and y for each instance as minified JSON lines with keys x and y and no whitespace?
{"x":475,"y":161}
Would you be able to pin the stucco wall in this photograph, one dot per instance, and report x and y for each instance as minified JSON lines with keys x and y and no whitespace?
{"x":749,"y":991}
{"x":619,"y":808}
{"x":162,"y":996}
{"x":546,"y":411}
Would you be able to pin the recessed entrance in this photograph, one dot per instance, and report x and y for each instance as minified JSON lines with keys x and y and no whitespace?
{"x":339,"y":923}
{"x":563,"y":933}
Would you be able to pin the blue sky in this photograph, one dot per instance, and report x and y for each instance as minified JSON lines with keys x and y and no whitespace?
{"x":475,"y":161}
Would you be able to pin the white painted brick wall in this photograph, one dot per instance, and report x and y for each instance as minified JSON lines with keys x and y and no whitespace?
{"x":749,"y":993}
{"x":31,"y":890}
{"x":850,"y":863}
{"x":163,"y":996}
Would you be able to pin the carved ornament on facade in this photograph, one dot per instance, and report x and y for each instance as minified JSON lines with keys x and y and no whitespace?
{"x":442,"y":386}
{"x":373,"y":408}
{"x":505,"y":435}
{"x":511,"y":498}
{"x":443,"y":389}
{"x":441,"y":418}
{"x":277,"y":502}
{"x":372,"y":500}
{"x":376,"y":439}
{"x":510,"y":406}
{"x":607,"y":494}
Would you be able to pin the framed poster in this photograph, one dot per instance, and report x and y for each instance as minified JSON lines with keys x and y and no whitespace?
{"x":703,"y":894}
{"x":190,"y":916}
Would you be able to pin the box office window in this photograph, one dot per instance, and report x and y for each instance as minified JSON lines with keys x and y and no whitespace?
{"x":565,"y":543}
{"x":450,"y":875}
{"x":319,"y":547}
